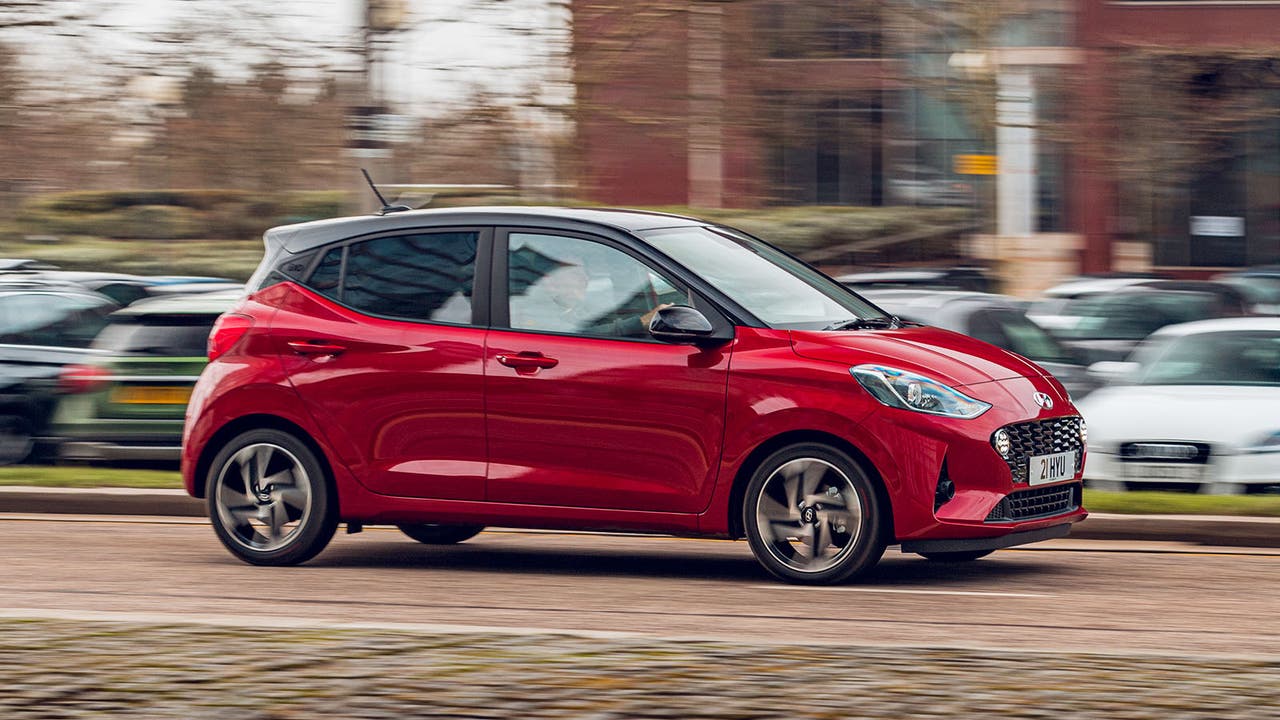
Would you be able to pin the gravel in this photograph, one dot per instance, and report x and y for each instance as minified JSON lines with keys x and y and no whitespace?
{"x":73,"y":669}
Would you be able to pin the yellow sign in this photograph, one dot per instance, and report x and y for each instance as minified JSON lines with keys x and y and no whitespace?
{"x":974,"y":164}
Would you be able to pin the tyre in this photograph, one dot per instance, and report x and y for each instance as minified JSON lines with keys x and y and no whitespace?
{"x":956,"y":557}
{"x":269,"y":499}
{"x":16,"y":441}
{"x":432,"y":534}
{"x":812,"y":515}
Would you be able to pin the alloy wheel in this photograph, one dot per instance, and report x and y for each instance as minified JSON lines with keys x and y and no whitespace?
{"x":809,"y":515}
{"x":263,"y":495}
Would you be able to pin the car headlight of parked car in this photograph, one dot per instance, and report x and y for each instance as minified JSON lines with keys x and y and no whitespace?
{"x":909,"y":391}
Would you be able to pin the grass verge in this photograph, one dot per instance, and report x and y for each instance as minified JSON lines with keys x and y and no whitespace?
{"x":1130,"y":503}
{"x":88,"y":477}
{"x":1176,"y":503}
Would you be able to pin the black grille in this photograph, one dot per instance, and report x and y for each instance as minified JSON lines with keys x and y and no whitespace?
{"x":1165,"y":452}
{"x":1036,"y":503}
{"x":1042,"y":438}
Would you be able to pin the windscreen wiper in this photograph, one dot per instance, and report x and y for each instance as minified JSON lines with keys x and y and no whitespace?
{"x":879,"y":323}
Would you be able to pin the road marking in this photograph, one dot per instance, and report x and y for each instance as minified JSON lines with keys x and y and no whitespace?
{"x":902,"y":591}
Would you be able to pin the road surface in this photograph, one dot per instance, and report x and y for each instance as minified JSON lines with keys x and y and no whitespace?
{"x":1063,"y":596}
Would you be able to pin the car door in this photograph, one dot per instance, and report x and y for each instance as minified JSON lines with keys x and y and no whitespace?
{"x":584,"y":408}
{"x":384,"y":343}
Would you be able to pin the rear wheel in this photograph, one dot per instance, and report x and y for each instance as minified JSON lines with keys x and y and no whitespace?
{"x":269,"y":500}
{"x":812,"y":515}
{"x":431,"y":534}
{"x":956,"y":557}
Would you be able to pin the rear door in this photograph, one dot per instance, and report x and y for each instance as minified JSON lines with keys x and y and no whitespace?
{"x":384,"y":344}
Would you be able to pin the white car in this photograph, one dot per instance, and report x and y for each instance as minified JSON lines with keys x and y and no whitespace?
{"x":1198,"y":404}
{"x":1050,"y":311}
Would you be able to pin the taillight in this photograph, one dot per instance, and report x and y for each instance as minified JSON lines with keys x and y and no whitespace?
{"x":227,"y":331}
{"x":82,"y":378}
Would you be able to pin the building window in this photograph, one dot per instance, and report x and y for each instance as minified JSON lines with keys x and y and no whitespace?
{"x":816,"y":30}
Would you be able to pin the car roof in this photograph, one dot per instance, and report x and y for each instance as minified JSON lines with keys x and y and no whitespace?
{"x":1092,"y":285}
{"x":209,"y":303}
{"x":304,"y":236}
{"x":1234,"y":324}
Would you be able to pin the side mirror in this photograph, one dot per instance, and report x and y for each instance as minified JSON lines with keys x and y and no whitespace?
{"x":1110,"y":371}
{"x":680,"y":324}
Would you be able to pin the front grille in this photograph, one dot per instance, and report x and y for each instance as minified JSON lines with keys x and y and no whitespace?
{"x":1044,"y":437}
{"x":1036,"y":503}
{"x":1165,"y":452}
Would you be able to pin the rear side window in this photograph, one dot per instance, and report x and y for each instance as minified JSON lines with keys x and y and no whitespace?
{"x":429,"y":276}
{"x":162,"y":336}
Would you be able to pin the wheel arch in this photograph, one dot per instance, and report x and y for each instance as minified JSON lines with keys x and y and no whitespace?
{"x":794,"y":437}
{"x":260,"y":421}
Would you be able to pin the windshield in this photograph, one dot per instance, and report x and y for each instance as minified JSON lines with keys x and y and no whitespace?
{"x":779,"y":290}
{"x":1221,"y":358}
{"x":1134,"y":315}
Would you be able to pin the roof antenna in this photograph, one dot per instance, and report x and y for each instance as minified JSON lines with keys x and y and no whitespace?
{"x":386,"y":208}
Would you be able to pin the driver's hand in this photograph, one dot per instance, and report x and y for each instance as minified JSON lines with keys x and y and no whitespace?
{"x":647,"y":318}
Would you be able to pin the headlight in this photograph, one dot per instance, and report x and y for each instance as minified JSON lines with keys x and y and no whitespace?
{"x":909,"y":391}
{"x":1084,"y":434}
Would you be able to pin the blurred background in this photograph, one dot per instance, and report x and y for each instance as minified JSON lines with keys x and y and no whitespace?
{"x":1059,"y":177}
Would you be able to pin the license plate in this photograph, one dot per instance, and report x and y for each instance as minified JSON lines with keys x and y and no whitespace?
{"x":1051,"y":468}
{"x":1162,"y":471}
{"x":151,"y":395}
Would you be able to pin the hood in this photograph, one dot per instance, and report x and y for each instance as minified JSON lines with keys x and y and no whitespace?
{"x":1224,"y":416}
{"x":950,"y":357}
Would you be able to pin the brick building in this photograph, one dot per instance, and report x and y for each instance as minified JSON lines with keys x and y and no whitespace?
{"x":756,"y":102}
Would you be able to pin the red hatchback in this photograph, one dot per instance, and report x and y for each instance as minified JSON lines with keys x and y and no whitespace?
{"x":445,"y":370}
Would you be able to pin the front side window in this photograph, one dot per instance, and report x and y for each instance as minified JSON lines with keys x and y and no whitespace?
{"x":428,"y":276}
{"x":780,"y":291}
{"x":568,"y":285}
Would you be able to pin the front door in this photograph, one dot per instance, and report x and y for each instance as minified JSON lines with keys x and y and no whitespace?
{"x":584,"y":408}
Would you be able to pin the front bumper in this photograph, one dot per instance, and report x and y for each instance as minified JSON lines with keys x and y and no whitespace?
{"x":1241,"y":468}
{"x":987,"y":543}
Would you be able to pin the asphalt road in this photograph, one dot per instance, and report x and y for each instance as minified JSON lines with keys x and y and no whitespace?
{"x":1063,"y":596}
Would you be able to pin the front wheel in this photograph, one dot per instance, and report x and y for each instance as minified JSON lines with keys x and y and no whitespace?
{"x":432,"y":534}
{"x":269,"y":500}
{"x":812,"y":516}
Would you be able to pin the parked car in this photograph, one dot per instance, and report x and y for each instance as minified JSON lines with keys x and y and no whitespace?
{"x":976,"y":279}
{"x":129,"y":404}
{"x":1110,"y":325}
{"x":443,"y":370}
{"x":123,"y":287}
{"x":1048,"y":311}
{"x":996,"y":319}
{"x":912,"y":184}
{"x":1260,"y":285}
{"x":44,"y":328}
{"x":1198,"y":406}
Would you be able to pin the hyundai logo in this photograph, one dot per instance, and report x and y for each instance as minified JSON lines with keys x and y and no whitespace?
{"x":1043,"y":400}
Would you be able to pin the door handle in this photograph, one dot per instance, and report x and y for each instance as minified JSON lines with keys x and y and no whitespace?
{"x":528,"y":361}
{"x":315,"y":347}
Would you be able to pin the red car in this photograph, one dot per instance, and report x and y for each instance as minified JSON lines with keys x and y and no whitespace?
{"x":586,"y":369}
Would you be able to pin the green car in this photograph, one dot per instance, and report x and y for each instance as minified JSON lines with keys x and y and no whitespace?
{"x":129,"y":405}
